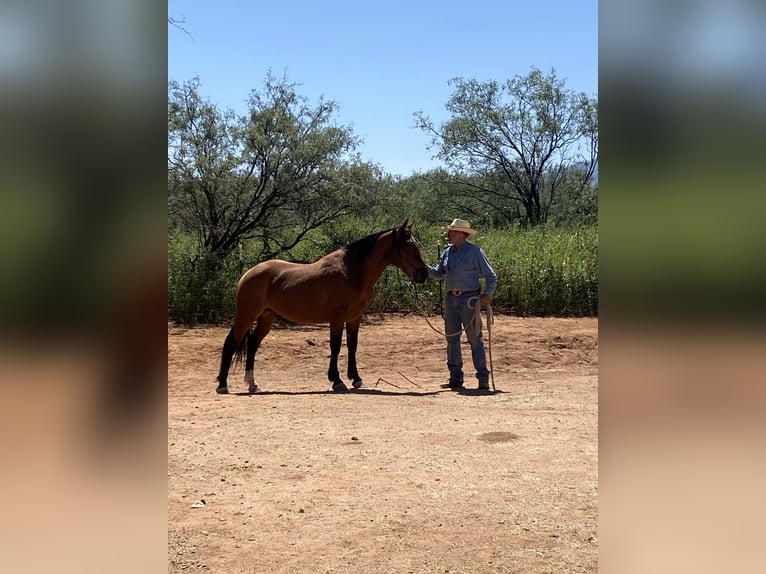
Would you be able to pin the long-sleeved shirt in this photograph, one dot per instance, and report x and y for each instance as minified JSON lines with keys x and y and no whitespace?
{"x":463,"y":268}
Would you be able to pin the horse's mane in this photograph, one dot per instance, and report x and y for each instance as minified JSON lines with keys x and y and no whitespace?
{"x":361,"y":248}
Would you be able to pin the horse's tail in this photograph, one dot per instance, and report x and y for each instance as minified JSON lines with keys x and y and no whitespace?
{"x":241,"y":349}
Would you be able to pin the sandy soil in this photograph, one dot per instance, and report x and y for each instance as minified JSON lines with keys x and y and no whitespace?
{"x":403,"y":477}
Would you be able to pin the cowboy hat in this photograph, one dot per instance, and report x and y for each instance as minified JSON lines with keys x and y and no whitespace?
{"x":460,"y":225}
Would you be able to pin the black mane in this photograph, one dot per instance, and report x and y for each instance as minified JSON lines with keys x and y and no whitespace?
{"x":361,"y":248}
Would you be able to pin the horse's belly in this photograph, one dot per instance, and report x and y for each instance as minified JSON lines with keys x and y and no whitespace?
{"x":306,"y":317}
{"x":308,"y":308}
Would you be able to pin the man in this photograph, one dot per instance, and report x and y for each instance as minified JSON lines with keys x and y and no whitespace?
{"x":461,"y":265}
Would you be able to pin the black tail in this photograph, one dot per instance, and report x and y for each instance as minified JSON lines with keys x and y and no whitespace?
{"x":241,"y":349}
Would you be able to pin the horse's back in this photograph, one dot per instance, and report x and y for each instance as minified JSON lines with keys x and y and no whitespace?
{"x":310,"y":293}
{"x":280,"y":274}
{"x":264,"y":271}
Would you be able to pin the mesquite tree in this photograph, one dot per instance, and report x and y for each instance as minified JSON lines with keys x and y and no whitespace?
{"x":528,"y":138}
{"x":276,"y":173}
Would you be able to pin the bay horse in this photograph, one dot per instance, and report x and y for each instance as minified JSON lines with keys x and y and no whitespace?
{"x":336,"y":289}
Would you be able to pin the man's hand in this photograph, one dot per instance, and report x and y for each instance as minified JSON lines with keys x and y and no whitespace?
{"x":484,"y":300}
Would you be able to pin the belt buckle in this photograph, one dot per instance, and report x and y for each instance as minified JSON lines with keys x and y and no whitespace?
{"x":457,"y":292}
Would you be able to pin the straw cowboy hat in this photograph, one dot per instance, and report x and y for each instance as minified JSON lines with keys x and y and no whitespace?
{"x":460,"y":225}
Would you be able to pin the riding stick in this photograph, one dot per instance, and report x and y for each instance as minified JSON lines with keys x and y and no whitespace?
{"x":490,"y":320}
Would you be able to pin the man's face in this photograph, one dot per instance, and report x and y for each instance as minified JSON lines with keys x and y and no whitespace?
{"x":455,"y":237}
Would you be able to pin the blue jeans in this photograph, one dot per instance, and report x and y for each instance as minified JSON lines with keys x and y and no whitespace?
{"x":459,"y":312}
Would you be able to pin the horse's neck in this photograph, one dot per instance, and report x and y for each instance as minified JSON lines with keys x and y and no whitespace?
{"x":365,"y":270}
{"x":379,"y":259}
{"x":373,"y":270}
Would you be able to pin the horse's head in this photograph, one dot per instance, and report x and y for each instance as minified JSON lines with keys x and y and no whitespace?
{"x":407,"y":254}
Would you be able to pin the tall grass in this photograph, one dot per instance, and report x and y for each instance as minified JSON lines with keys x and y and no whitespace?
{"x":545,"y":271}
{"x":541,"y":272}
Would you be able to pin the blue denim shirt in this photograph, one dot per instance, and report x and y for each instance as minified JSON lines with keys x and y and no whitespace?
{"x":463,"y":268}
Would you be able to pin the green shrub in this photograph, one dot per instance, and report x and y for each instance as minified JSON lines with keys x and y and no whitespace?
{"x":201,"y":287}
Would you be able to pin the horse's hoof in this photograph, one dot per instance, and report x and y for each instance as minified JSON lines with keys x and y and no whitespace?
{"x":339,"y":388}
{"x":222,"y":390}
{"x":253,"y":388}
{"x":359,"y":384}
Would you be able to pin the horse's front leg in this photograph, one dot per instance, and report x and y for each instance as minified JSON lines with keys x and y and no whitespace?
{"x":352,"y":340}
{"x":336,"y":339}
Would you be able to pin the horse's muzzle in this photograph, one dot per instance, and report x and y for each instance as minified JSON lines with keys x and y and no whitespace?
{"x":420,"y":275}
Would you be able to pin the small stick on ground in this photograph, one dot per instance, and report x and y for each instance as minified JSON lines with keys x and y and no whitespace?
{"x":402,"y":374}
{"x":385,"y":381}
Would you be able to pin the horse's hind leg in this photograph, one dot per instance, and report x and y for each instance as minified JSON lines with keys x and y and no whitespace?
{"x":262,"y":327}
{"x":233,"y":339}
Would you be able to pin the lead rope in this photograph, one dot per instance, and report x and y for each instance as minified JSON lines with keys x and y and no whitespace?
{"x":476,"y":325}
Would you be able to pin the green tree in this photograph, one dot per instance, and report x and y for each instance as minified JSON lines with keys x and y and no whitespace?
{"x":522,"y":141}
{"x":273,"y":175}
{"x":575,"y":204}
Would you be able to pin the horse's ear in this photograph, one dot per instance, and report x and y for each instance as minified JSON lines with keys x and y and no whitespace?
{"x":402,"y":232}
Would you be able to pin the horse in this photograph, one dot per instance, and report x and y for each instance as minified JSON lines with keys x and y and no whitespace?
{"x":336,"y":289}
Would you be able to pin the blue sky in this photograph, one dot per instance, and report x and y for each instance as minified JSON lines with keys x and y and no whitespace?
{"x":380,"y":61}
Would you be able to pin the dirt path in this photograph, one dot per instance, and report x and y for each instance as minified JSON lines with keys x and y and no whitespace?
{"x":404,"y":477}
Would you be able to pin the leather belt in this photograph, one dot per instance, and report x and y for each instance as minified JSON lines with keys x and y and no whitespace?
{"x":458,"y":292}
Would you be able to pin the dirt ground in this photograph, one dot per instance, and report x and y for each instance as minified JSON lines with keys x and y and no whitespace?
{"x":402,"y":477}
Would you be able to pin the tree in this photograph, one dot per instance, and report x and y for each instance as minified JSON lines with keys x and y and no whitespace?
{"x":275,"y":174}
{"x":528,"y":137}
{"x":176,"y":23}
